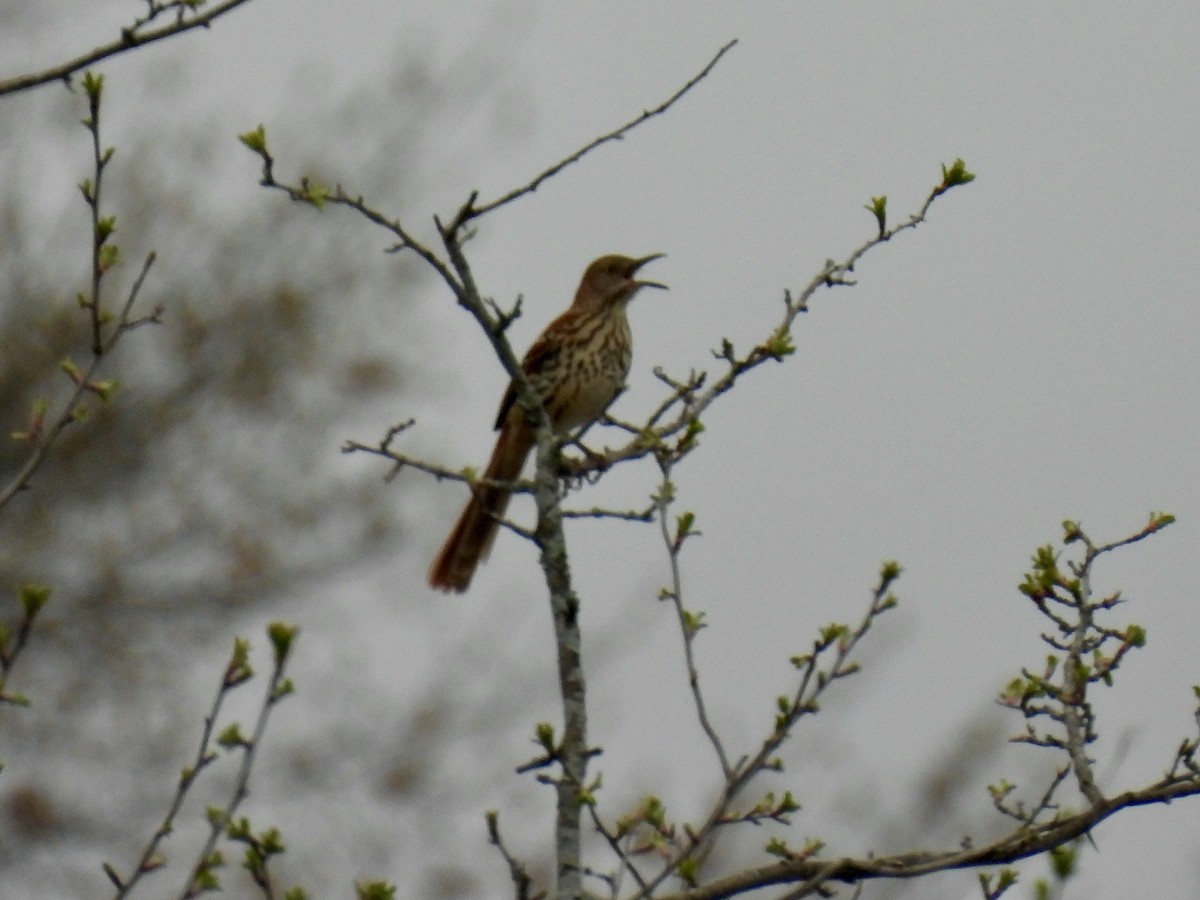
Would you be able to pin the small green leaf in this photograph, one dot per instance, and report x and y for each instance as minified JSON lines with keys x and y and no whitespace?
{"x":653,"y":811}
{"x":103,"y":389}
{"x":256,"y":140}
{"x":109,"y":256}
{"x":314,"y":191}
{"x":33,"y":598}
{"x":788,"y":804}
{"x":683,"y":526}
{"x":375,"y":890}
{"x":1063,"y":860}
{"x":878,"y":208}
{"x":72,"y":370}
{"x":239,"y":830}
{"x":282,"y":637}
{"x":283,"y":689}
{"x":777,"y":847}
{"x":833,"y":632}
{"x":93,"y":85}
{"x":231,"y":736}
{"x":238,"y":670}
{"x":1159,"y":521}
{"x":956,"y":174}
{"x":687,"y":869}
{"x":780,"y":344}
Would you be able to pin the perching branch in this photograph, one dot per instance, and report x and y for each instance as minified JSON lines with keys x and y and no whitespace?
{"x":453,"y":269}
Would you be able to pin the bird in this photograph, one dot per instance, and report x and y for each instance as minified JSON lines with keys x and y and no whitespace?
{"x":576,"y":367}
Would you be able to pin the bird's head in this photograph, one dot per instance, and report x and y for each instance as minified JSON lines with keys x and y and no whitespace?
{"x":613,"y":279}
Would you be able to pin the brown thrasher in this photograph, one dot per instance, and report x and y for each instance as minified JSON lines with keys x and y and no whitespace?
{"x":576,"y":367}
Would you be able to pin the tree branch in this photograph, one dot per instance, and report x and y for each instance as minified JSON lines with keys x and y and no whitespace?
{"x":104,"y":255}
{"x":470,"y":211}
{"x":132,"y":37}
{"x":1019,"y":845}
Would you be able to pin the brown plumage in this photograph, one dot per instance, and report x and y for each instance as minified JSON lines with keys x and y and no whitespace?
{"x":577,"y":367}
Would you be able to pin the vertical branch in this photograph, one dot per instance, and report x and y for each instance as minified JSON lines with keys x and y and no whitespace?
{"x":564,"y":608}
{"x":572,"y":753}
{"x":689,"y":623}
{"x":1076,"y":709}
{"x":42,"y":432}
{"x":100,"y":230}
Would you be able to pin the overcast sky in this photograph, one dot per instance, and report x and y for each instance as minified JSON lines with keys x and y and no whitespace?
{"x":1028,"y":355}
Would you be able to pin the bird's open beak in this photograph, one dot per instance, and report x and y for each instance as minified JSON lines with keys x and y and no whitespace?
{"x":641,"y":262}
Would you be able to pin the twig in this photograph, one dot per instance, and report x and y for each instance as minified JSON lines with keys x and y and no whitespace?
{"x":1021,"y":844}
{"x":470,"y":211}
{"x":103,"y":256}
{"x":689,"y":624}
{"x":131,"y":38}
{"x":626,"y":515}
{"x":237,"y":672}
{"x":282,"y":639}
{"x":522,"y":882}
{"x":614,"y":844}
{"x":32,"y":598}
{"x":814,"y":681}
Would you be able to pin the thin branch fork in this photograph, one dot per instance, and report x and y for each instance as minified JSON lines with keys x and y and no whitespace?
{"x":813,"y":683}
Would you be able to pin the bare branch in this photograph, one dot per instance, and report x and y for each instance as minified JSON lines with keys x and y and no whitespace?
{"x":522,"y":882}
{"x":690,"y":623}
{"x":470,"y":211}
{"x":132,"y":37}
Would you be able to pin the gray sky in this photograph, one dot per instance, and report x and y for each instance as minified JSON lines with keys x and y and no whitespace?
{"x":1028,"y":355}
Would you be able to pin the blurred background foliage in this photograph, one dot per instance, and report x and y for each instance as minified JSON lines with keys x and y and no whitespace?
{"x":213,"y":482}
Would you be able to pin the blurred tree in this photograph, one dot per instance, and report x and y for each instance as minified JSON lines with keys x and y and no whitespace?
{"x":213,"y":482}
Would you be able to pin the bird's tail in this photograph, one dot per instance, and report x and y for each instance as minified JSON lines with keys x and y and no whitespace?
{"x":471,"y":538}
